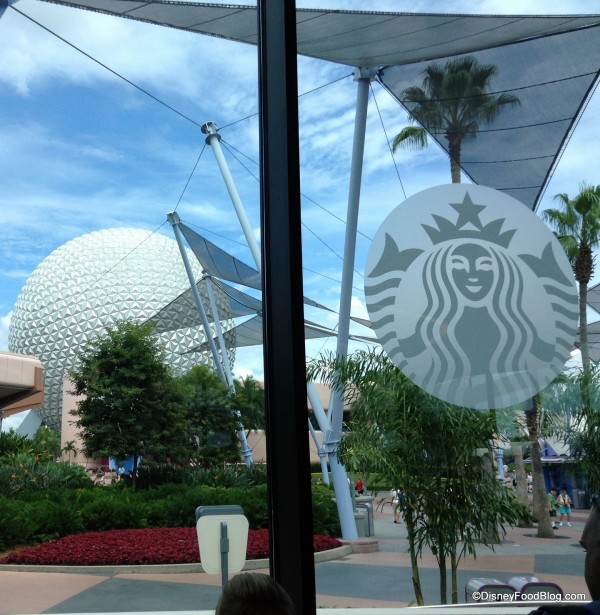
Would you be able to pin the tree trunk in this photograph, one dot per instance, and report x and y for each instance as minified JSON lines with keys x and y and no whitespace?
{"x":583,"y":332}
{"x":454,"y":151}
{"x":540,"y":497}
{"x":521,"y":477}
{"x":416,"y":579}
{"x":454,"y":569}
{"x":443,"y":577}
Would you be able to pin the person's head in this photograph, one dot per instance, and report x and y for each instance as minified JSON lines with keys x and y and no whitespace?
{"x":554,"y":491}
{"x":254,"y":594}
{"x":590,"y":541}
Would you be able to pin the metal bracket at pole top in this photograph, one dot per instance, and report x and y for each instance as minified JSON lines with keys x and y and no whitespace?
{"x":360,"y":72}
{"x":212,"y":130}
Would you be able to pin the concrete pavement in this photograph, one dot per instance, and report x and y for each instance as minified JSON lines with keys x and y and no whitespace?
{"x":379,"y":579}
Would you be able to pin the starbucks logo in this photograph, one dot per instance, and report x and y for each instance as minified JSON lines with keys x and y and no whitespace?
{"x":471,"y":296}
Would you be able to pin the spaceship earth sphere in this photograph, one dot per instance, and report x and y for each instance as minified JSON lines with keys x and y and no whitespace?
{"x":92,"y":282}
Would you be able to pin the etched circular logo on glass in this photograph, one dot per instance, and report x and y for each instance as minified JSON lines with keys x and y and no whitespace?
{"x":471,"y":296}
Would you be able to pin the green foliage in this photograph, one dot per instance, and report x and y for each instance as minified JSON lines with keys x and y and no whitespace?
{"x":17,"y":525}
{"x":132,"y":404}
{"x":152,"y":475}
{"x":582,"y":432}
{"x":325,"y":515}
{"x":436,"y":454}
{"x":577,"y":225}
{"x":24,"y":473}
{"x":114,"y":509}
{"x":46,"y":443}
{"x":35,"y":516}
{"x":454,"y":100}
{"x":212,"y":422}
{"x":249,"y":400}
{"x":39,"y":516}
{"x":11,"y":443}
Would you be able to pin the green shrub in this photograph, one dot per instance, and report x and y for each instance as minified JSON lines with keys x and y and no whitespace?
{"x":17,"y":525}
{"x":55,"y":518}
{"x":35,"y":516}
{"x":153,"y":475}
{"x":24,"y":473}
{"x":325,"y":515}
{"x":113,"y":509}
{"x":11,"y":443}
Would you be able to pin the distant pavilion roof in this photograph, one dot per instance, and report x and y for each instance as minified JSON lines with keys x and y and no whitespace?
{"x":550,"y":62}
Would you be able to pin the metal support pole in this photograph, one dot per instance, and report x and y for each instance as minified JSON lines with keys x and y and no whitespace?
{"x":340,"y":480}
{"x":322,"y":454}
{"x":215,"y":314}
{"x":224,"y":545}
{"x":324,"y":426}
{"x":241,"y":433}
{"x":290,"y":498}
{"x":214,"y":140}
{"x":173,"y":219}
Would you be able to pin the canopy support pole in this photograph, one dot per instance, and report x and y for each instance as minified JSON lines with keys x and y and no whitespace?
{"x":241,"y":433}
{"x":174,"y":220}
{"x":214,"y":140}
{"x":363,"y":76}
{"x":322,"y":454}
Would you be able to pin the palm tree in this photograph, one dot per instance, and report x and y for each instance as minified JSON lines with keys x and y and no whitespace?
{"x":577,"y":226}
{"x":69,"y":448}
{"x":454,"y":100}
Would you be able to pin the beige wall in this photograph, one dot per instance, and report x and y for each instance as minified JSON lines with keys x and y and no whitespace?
{"x":257,"y":441}
{"x":68,"y":431}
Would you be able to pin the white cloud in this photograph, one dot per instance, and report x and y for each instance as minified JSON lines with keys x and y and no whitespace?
{"x":4,"y":325}
{"x":83,"y":150}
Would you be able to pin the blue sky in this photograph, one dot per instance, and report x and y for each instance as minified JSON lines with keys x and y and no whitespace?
{"x":81,"y":150}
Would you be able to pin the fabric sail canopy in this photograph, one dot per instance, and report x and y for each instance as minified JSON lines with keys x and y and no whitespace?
{"x":550,"y":62}
{"x":219,"y":265}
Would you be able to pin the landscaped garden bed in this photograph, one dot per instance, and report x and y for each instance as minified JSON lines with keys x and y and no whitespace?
{"x":171,"y":545}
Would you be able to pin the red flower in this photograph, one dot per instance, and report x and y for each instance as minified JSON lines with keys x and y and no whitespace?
{"x":167,"y":545}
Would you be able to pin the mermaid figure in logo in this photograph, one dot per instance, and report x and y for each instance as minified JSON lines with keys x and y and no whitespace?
{"x":474,"y":328}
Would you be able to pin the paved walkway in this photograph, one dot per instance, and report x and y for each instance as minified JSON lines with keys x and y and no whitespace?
{"x":380,"y":579}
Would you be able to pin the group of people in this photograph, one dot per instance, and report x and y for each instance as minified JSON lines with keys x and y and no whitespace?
{"x":559,"y":504}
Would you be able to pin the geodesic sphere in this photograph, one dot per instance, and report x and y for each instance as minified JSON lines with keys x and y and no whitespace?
{"x":92,"y":282}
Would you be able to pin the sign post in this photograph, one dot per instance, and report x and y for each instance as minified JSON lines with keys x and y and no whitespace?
{"x":222,"y":539}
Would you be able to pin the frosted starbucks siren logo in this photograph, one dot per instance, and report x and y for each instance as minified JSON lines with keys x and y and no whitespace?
{"x":471,"y":296}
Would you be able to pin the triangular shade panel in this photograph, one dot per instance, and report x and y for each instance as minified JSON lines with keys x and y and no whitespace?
{"x":552,"y":77}
{"x":182,"y":311}
{"x":218,"y":263}
{"x":222,"y":265}
{"x":250,"y":333}
{"x":594,"y":341}
{"x":593,"y":297}
{"x":550,"y":62}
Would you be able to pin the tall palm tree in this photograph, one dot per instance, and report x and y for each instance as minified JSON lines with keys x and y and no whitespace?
{"x":577,"y":226}
{"x":69,"y":448}
{"x":454,"y":100}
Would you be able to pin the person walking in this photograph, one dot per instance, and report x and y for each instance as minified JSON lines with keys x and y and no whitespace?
{"x":552,"y":506}
{"x":564,"y":507}
{"x":396,"y":505}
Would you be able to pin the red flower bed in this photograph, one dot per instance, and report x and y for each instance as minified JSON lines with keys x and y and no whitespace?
{"x":167,"y":545}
